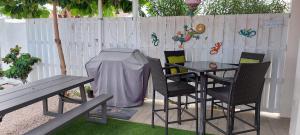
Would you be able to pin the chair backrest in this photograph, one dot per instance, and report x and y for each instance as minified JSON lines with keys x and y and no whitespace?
{"x":254,"y":56}
{"x":158,"y":78}
{"x":173,"y":53}
{"x":248,"y":83}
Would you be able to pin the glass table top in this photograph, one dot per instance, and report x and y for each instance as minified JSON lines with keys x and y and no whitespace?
{"x":206,"y":66}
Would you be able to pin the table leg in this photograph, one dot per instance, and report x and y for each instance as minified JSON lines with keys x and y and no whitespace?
{"x":202,"y":118}
{"x":45,"y":106}
{"x":46,"y":110}
{"x":204,"y":114}
{"x":83,"y":94}
{"x":84,"y":99}
{"x":60,"y":104}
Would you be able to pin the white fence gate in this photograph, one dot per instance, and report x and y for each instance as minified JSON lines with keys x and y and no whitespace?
{"x":84,"y":38}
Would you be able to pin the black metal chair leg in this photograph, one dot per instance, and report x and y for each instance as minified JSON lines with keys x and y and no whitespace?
{"x":167,"y":115}
{"x":232,"y":120}
{"x":212,"y":108}
{"x":228,"y":121}
{"x":165,"y":105}
{"x":197,"y":115}
{"x":257,"y":118}
{"x":186,"y":102}
{"x":153,"y":108}
{"x":179,"y":110}
{"x":203,"y":105}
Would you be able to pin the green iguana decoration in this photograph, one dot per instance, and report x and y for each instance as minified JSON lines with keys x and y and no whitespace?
{"x":155,"y":39}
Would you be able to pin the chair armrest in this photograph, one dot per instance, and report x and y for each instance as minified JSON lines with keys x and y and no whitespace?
{"x":169,"y":67}
{"x":218,"y":79}
{"x":234,"y":64}
{"x":182,"y":74}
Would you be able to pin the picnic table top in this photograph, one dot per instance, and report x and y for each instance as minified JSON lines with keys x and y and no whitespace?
{"x":20,"y":96}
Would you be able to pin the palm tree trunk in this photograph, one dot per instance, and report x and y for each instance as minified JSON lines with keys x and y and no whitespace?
{"x":57,"y":40}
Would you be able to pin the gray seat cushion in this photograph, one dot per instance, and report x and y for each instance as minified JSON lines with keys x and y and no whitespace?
{"x":219,"y":93}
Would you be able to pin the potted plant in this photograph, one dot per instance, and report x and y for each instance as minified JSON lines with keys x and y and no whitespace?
{"x":89,"y":91}
{"x":20,"y":64}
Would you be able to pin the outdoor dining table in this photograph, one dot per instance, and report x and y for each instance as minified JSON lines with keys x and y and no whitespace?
{"x":203,"y":67}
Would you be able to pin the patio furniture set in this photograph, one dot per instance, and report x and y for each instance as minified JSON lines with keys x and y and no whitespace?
{"x":244,"y":88}
{"x":177,"y":79}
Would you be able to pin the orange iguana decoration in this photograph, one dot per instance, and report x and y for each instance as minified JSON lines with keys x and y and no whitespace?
{"x":215,"y":50}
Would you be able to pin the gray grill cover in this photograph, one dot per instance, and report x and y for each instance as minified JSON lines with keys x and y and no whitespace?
{"x":121,"y":72}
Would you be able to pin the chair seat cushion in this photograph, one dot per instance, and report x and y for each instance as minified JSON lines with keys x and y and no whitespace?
{"x":219,"y":93}
{"x":229,"y":79}
{"x":180,"y":88}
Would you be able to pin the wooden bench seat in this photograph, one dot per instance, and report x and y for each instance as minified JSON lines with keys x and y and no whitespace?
{"x":83,"y":109}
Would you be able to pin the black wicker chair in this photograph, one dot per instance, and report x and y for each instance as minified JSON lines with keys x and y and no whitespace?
{"x":171,"y":89}
{"x":245,"y":89}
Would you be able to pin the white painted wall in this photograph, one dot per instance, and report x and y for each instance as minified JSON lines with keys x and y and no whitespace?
{"x":295,"y":115}
{"x":293,"y":68}
{"x":1,"y":35}
{"x":291,"y":60}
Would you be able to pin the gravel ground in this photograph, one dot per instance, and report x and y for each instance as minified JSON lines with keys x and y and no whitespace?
{"x":27,"y":118}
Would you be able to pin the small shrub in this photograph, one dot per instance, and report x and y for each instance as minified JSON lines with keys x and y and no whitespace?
{"x":20,"y":64}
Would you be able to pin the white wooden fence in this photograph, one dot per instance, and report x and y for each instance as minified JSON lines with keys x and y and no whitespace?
{"x":84,"y":38}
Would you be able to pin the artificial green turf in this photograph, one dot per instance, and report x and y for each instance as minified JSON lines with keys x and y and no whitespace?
{"x":114,"y":127}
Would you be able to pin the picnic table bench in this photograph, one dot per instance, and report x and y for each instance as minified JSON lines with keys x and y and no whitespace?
{"x":24,"y":95}
{"x":83,"y":109}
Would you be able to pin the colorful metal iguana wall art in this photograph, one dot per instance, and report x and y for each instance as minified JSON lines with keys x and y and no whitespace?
{"x":215,"y":50}
{"x":188,"y":34}
{"x":247,"y":33}
{"x":155,"y":39}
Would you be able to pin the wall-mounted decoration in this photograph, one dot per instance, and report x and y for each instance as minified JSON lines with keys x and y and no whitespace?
{"x":200,"y":28}
{"x":188,"y":34}
{"x":155,"y":39}
{"x":215,"y":50}
{"x":247,"y":33}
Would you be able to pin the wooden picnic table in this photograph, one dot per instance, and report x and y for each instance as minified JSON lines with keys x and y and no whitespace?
{"x":30,"y":93}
